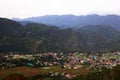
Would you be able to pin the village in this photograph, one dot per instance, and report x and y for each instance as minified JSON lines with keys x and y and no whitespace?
{"x":95,"y":61}
{"x":54,"y":62}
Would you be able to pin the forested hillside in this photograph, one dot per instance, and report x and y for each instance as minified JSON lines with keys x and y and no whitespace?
{"x":35,"y":37}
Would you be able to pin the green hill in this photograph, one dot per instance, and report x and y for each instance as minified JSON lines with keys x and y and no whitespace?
{"x":34,"y":37}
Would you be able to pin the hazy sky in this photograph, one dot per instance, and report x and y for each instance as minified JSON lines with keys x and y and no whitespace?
{"x":28,"y":8}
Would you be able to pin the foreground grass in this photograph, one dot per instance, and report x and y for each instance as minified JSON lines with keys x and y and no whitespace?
{"x":30,"y":71}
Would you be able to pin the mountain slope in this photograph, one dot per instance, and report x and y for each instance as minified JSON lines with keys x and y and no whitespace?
{"x":64,"y":21}
{"x":61,"y":41}
{"x":9,"y":28}
{"x":98,"y":37}
{"x":35,"y":37}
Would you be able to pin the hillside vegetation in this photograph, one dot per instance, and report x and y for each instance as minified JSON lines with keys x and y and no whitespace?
{"x":35,"y":37}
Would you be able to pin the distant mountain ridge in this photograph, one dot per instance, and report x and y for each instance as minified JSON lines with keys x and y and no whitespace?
{"x":65,"y":21}
{"x":39,"y":38}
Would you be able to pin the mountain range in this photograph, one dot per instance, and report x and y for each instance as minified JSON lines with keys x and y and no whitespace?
{"x":65,"y":21}
{"x":38,"y":38}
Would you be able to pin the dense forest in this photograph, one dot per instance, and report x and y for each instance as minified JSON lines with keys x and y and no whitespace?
{"x":38,"y":38}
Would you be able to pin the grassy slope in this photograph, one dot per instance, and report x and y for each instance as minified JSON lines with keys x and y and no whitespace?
{"x":28,"y":71}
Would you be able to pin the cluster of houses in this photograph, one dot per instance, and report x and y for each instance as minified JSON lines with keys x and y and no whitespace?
{"x":105,"y":61}
{"x":96,"y":61}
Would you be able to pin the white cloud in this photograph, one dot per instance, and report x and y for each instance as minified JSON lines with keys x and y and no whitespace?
{"x":27,"y":8}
